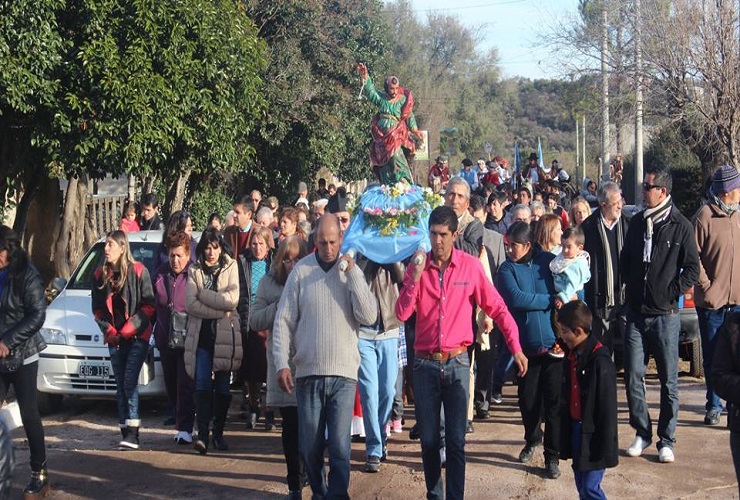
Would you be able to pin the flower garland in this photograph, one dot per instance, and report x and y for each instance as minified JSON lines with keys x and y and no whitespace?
{"x":392,"y":220}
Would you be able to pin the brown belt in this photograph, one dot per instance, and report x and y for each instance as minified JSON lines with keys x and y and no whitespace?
{"x":440,"y":356}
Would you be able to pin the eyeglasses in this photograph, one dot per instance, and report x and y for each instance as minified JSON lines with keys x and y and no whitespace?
{"x":648,"y":187}
{"x":343,"y":220}
{"x":288,"y":262}
{"x":256,"y":200}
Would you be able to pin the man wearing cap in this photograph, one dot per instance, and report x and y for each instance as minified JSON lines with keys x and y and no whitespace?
{"x":533,"y":172}
{"x":439,"y":174}
{"x":302,"y":194}
{"x":658,"y":263}
{"x":717,"y":233}
{"x":467,"y":173}
{"x":337,"y":205}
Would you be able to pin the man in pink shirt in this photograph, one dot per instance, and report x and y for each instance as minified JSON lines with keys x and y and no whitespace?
{"x":442,"y":289}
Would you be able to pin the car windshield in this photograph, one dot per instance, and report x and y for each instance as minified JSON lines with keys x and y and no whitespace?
{"x":82,"y":279}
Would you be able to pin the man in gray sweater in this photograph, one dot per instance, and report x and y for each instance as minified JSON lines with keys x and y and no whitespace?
{"x":318,"y":318}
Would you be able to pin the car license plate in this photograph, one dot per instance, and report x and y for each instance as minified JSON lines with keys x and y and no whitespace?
{"x":99,"y":370}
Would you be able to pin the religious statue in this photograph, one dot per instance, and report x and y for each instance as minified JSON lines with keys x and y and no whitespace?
{"x":394,"y":131}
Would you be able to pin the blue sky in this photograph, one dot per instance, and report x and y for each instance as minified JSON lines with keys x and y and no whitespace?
{"x":509,"y":25}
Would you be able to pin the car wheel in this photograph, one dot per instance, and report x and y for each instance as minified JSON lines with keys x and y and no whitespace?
{"x":696,"y":360}
{"x":49,"y":403}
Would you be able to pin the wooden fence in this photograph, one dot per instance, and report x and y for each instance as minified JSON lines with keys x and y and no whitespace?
{"x":104,"y":213}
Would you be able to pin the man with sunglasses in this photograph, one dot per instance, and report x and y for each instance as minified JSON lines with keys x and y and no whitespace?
{"x":659,"y":262}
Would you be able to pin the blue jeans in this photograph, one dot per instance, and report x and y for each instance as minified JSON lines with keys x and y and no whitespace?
{"x":709,"y":322}
{"x":656,"y":335}
{"x":126,"y":359}
{"x":588,"y":482}
{"x":442,"y":385}
{"x":376,"y":380}
{"x":325,"y":404}
{"x":205,"y":378}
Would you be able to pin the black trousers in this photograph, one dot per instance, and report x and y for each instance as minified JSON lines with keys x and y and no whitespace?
{"x":539,"y":399}
{"x":24,"y":382}
{"x":296,"y":471}
{"x":485,"y":362}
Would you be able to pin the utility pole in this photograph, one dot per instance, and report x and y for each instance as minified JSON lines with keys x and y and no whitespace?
{"x":638,"y":105}
{"x":578,"y":151}
{"x":583,"y":150}
{"x":604,"y":164}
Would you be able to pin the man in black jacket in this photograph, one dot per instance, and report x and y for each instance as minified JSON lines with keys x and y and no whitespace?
{"x":659,"y":262}
{"x":604,"y":231}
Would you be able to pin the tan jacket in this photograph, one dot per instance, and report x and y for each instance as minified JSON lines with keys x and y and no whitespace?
{"x":221,"y":306}
{"x":718,"y":241}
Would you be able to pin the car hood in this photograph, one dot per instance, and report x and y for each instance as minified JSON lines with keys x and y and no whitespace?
{"x":71,"y":312}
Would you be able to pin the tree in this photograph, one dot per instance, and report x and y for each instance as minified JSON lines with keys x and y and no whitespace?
{"x":694,"y":51}
{"x":313,"y":117}
{"x":163,"y":89}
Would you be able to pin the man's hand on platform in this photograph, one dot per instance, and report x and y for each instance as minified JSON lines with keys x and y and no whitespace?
{"x":418,"y":261}
{"x":346,"y":262}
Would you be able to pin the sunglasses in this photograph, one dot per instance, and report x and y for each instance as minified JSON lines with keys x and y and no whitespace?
{"x":343,"y":220}
{"x":648,"y":187}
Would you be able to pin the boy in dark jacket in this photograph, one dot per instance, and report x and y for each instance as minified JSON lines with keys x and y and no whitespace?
{"x":589,"y":425}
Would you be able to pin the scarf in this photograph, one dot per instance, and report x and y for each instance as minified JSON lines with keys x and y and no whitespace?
{"x":653,"y":216}
{"x":728,"y":209}
{"x":608,"y":264}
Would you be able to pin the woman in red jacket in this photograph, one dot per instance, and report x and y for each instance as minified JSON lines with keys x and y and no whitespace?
{"x":123,"y":306}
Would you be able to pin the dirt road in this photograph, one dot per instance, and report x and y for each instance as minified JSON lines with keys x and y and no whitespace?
{"x":84,"y":464}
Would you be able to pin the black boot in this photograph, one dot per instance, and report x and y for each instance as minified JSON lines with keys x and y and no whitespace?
{"x":130,"y":439}
{"x":221,"y":406}
{"x":203,"y":409}
{"x":39,"y":486}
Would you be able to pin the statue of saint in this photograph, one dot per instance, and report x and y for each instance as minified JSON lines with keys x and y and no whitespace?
{"x":394,"y":129}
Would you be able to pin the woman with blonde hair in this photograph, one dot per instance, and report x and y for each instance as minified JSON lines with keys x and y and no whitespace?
{"x":579,"y":211}
{"x":123,"y":306}
{"x":262,"y":317}
{"x":254,"y":263}
{"x":213,"y":345}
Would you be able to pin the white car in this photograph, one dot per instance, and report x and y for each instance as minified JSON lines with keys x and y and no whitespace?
{"x":76,"y":361}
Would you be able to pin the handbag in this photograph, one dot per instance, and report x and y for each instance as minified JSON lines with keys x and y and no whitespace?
{"x":178,"y":329}
{"x":178,"y":321}
{"x":11,"y":362}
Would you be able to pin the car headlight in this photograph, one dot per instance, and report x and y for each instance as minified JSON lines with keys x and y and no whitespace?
{"x":53,"y":336}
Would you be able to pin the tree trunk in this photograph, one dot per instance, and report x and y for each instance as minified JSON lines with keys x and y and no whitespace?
{"x":131,"y":187}
{"x":72,"y":238}
{"x":42,"y":219}
{"x":176,"y":192}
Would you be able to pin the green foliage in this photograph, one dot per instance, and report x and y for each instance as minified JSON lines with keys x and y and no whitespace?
{"x":313,"y":118}
{"x":668,"y":150}
{"x":206,"y":201}
{"x":152,"y":88}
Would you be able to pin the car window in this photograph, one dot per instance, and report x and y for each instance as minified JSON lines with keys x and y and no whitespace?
{"x":82,"y":279}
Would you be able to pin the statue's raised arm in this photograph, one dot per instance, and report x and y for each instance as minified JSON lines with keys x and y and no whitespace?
{"x":393,"y":129}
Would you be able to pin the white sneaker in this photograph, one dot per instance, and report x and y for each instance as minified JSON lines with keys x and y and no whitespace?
{"x":183,"y":437}
{"x":637,"y":447}
{"x":665,"y":455}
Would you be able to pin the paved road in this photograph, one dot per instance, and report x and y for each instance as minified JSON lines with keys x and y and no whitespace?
{"x":83,"y":464}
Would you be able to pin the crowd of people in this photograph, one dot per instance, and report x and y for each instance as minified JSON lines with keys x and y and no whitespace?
{"x":529,"y":284}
